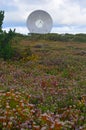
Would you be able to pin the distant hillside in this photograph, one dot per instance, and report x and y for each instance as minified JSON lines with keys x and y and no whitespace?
{"x":55,"y":37}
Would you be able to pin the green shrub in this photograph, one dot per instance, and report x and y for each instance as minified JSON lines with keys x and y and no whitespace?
{"x":6,"y":50}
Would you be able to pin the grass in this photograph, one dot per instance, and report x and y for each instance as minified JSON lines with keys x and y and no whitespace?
{"x":55,"y":78}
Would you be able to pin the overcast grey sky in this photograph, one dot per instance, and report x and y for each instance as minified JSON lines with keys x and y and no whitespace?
{"x":69,"y":16}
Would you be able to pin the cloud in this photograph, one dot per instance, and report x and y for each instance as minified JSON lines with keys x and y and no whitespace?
{"x":19,"y":29}
{"x":61,"y":29}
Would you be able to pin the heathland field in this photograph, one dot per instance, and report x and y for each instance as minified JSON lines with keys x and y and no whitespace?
{"x":44,"y":86}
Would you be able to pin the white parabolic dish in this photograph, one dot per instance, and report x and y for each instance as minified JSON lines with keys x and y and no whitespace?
{"x":39,"y":22}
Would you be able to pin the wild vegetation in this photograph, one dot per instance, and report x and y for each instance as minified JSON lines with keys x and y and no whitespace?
{"x":43,"y":85}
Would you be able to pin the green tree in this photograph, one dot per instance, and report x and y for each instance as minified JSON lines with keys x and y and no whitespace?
{"x":6,"y":50}
{"x":1,"y":19}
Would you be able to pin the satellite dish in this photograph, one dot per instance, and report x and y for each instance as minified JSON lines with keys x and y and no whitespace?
{"x":39,"y":22}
